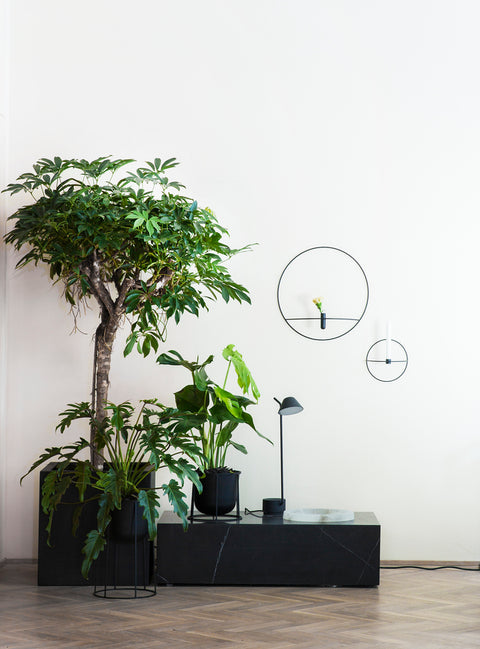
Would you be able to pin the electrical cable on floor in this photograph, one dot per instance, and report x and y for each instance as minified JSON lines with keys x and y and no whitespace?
{"x":431,"y":568}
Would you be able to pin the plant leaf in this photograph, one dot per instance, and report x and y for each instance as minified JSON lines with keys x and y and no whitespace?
{"x":190,"y":399}
{"x":244,"y":376}
{"x":239,"y":447}
{"x":83,"y":477}
{"x":150,"y":501}
{"x":112,"y":483}
{"x":229,"y":400}
{"x":94,"y":544}
{"x":177,"y":499}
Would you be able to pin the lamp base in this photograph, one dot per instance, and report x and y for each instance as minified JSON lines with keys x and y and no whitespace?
{"x":273,"y":506}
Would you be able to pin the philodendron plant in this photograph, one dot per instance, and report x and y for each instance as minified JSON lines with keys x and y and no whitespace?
{"x":131,"y":447}
{"x":209,"y":411}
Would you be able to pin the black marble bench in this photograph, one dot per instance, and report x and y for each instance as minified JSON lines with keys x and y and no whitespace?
{"x":269,"y":552}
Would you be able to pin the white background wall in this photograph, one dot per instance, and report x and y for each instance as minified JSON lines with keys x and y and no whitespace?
{"x":306,"y":123}
{"x":4,"y":131}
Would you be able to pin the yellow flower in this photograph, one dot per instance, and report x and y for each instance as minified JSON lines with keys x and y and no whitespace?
{"x":318,"y":303}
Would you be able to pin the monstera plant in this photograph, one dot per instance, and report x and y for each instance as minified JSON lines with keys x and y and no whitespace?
{"x":212,"y":414}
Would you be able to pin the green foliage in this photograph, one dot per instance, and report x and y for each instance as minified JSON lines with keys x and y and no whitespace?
{"x":208,"y":412}
{"x":149,"y":500}
{"x":131,"y":447}
{"x":176,"y":497}
{"x":133,"y":242}
{"x":94,"y":544}
{"x":244,"y":376}
{"x":146,"y":252}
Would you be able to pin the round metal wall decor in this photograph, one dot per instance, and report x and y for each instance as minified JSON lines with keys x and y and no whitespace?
{"x":383,"y":368}
{"x":322,"y":293}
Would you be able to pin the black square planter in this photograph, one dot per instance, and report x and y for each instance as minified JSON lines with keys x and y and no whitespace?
{"x":60,"y":565}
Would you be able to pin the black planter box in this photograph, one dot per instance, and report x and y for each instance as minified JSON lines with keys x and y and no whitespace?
{"x":60,"y":565}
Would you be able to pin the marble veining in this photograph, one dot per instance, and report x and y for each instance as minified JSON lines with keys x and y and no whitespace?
{"x":219,"y":555}
{"x":367,"y":563}
{"x":364,"y":563}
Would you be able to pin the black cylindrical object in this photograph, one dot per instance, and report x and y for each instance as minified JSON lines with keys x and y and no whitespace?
{"x":273,"y":506}
{"x":220,"y":492}
{"x":127,"y":523}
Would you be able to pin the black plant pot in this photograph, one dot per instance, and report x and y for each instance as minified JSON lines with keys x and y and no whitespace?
{"x":220,"y":492}
{"x":127,"y":523}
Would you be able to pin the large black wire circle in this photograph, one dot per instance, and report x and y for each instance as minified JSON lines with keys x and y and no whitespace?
{"x":291,"y":262}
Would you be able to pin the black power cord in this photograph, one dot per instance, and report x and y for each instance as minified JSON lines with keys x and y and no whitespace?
{"x":430,"y":568}
{"x":256,"y":512}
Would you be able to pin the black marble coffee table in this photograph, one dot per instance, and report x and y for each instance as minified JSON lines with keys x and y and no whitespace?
{"x":269,"y":552}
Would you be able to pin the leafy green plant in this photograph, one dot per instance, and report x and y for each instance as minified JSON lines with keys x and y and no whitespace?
{"x":130,"y":447}
{"x":209,"y":411}
{"x":135,"y":244}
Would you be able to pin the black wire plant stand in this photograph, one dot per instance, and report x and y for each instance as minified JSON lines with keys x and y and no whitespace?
{"x":322,"y":318}
{"x":400,"y":363}
{"x":141,"y":551}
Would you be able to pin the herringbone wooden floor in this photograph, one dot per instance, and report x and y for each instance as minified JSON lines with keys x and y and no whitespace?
{"x":410,"y":609}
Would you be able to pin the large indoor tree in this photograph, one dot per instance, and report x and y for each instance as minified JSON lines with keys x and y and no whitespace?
{"x":134,"y":243}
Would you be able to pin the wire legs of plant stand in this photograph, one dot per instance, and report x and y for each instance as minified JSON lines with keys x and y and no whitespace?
{"x":121,"y":557}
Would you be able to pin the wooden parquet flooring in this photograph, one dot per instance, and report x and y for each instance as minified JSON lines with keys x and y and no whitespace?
{"x":410,"y":609}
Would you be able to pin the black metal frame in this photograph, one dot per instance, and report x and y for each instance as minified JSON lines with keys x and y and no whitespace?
{"x":206,"y":518}
{"x":136,"y":591}
{"x":387,"y":361}
{"x":322,"y":318}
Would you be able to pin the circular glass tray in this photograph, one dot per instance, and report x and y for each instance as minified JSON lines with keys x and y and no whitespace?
{"x":319,"y":515}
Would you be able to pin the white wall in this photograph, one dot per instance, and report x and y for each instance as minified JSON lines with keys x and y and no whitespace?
{"x":4,"y":113}
{"x":347,"y":124}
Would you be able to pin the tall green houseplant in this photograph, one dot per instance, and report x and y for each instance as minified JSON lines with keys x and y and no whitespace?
{"x":210,"y":411}
{"x":133,"y":242}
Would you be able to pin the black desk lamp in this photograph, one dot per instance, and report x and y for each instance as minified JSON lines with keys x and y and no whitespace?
{"x":276,"y":506}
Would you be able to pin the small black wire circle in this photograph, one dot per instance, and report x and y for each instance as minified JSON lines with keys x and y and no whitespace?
{"x":356,"y":320}
{"x":405,"y":360}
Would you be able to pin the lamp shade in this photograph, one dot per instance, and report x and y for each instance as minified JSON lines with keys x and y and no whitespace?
{"x":289,"y":406}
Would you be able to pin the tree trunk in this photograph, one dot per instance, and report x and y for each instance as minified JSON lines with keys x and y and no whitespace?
{"x":104,"y":338}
